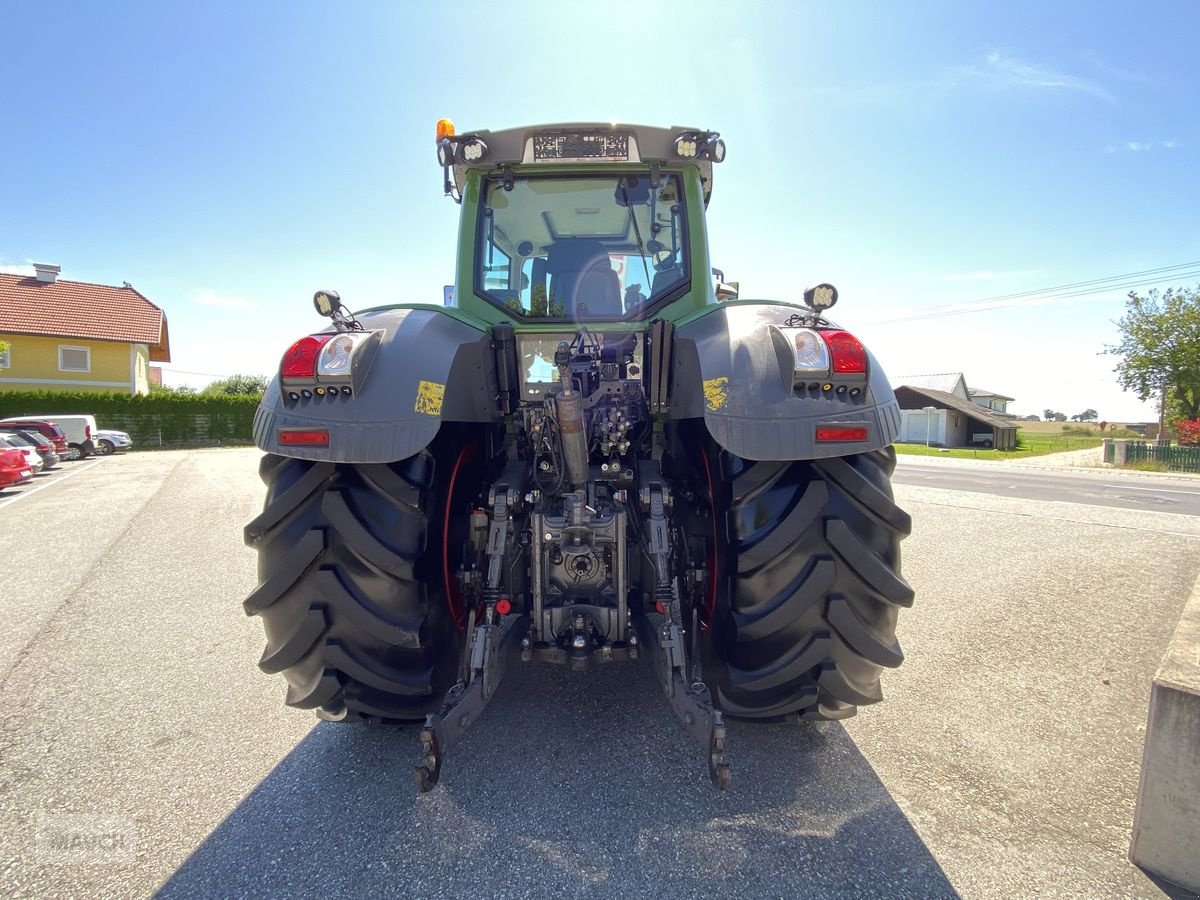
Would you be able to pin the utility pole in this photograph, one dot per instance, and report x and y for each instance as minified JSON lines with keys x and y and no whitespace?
{"x":929,"y":411}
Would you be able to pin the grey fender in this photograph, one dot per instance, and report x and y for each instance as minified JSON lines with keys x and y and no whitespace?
{"x":428,"y":367}
{"x":731,"y":370}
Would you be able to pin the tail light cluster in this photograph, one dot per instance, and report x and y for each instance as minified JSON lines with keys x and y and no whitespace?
{"x":327,"y":365}
{"x":827,"y":363}
{"x":824,"y":361}
{"x":826,"y":352}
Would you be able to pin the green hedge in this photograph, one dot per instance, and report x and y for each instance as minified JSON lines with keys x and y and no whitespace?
{"x":151,"y":420}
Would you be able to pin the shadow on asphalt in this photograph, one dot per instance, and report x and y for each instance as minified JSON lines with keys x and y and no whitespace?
{"x":573,"y":784}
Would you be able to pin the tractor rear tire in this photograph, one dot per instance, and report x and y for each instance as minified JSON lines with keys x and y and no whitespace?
{"x":350,"y":576}
{"x":809,"y":585}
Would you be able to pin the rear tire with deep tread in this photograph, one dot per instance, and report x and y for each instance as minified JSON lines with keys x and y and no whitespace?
{"x":809,"y":585}
{"x":350,"y":587}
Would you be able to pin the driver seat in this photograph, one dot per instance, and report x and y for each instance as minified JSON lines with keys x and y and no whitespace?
{"x":581,"y":277}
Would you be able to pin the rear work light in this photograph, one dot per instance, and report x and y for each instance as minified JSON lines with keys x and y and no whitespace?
{"x":848,"y":354}
{"x":828,"y":434}
{"x":311,"y":438}
{"x":300,"y":360}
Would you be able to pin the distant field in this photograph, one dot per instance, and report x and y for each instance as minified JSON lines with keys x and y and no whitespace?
{"x":1055,"y":427}
{"x":1030,"y":443}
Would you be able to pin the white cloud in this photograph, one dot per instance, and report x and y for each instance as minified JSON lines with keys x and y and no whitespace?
{"x":1001,"y":72}
{"x":224,"y":301}
{"x":997,"y":72}
{"x":1143,"y":146}
{"x":16,"y":269}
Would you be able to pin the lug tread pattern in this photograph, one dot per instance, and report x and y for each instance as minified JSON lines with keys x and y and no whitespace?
{"x":288,"y":501}
{"x":357,"y":535}
{"x":804,"y":699}
{"x":415,"y":684}
{"x":297,"y":644}
{"x":886,"y":583}
{"x":298,"y":560}
{"x":809,"y":622}
{"x":401,"y":632}
{"x":345,"y":609}
{"x":854,"y":632}
{"x":779,"y":539}
{"x":760,"y":621}
{"x":786,"y":669}
{"x":317,"y":691}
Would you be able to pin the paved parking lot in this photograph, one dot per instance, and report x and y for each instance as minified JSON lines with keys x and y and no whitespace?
{"x":13,"y":493}
{"x":1004,"y":761}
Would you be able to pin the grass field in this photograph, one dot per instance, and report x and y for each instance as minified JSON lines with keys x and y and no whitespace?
{"x":1029,"y":443}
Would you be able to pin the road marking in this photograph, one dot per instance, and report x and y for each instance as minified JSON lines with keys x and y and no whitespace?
{"x":40,"y":487}
{"x":1152,"y":490}
{"x":1053,"y":518}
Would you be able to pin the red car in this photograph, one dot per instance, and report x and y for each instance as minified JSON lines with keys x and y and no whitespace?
{"x":51,"y":431}
{"x":13,"y":468}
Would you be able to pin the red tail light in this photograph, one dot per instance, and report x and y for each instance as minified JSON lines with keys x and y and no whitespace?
{"x":848,"y":354}
{"x":300,"y":361}
{"x":87,"y":432}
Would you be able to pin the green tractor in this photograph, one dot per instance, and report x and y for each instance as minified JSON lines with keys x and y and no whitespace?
{"x":592,"y":451}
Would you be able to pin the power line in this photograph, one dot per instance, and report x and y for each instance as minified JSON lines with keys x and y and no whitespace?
{"x":1057,"y":293}
{"x":1094,"y":281}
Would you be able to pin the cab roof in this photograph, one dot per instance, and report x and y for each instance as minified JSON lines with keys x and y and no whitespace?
{"x":573,"y":143}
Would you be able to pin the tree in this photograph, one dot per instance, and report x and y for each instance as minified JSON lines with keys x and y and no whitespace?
{"x":237,"y":384}
{"x":1088,"y":415}
{"x":183,"y":389}
{"x":1048,"y":414}
{"x":1060,"y":417}
{"x":1160,"y":348}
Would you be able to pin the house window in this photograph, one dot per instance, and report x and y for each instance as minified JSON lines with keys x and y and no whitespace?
{"x":5,"y":362}
{"x":74,"y":359}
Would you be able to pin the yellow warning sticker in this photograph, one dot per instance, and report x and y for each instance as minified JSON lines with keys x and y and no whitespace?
{"x":716,"y":392}
{"x":429,"y":398}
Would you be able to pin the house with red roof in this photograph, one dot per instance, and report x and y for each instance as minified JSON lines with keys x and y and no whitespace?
{"x":75,"y":336}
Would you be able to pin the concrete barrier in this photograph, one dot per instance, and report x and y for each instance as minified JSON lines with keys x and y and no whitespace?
{"x":1166,"y":826}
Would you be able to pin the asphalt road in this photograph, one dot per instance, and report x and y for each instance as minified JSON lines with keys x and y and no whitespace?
{"x":1004,"y":761}
{"x":1094,"y":488}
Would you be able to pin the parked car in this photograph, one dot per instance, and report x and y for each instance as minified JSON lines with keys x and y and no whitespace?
{"x":45,"y":428}
{"x":79,"y":429}
{"x":41,"y":444}
{"x":13,"y":467}
{"x":8,"y":439}
{"x":109,"y":442}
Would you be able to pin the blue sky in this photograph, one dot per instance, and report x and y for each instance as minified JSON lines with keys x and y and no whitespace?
{"x":230,"y":159}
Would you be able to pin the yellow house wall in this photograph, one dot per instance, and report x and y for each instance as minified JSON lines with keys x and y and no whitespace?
{"x":114,"y":366}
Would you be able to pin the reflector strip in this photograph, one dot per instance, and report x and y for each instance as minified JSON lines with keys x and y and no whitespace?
{"x":841,"y":434}
{"x":312,"y":438}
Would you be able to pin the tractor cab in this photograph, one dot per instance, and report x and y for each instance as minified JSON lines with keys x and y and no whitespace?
{"x":581,"y":223}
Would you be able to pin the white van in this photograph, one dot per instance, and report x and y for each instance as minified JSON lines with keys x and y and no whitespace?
{"x":80,"y":431}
